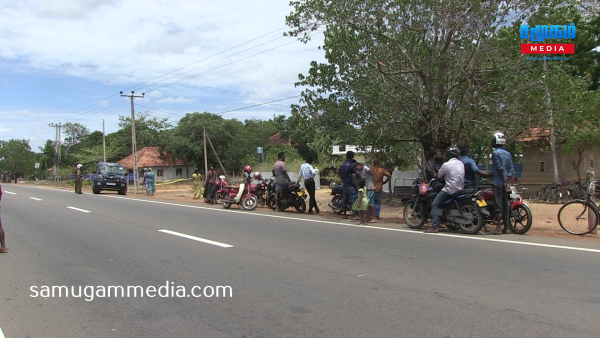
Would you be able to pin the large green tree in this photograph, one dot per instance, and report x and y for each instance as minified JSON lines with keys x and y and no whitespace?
{"x":429,"y":72}
{"x":16,"y":156}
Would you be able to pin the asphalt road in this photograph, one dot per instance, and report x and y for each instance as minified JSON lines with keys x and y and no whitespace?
{"x":290,"y":275}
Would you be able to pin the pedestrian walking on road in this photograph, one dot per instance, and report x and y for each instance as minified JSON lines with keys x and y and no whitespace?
{"x":3,"y":248}
{"x":308,"y":172}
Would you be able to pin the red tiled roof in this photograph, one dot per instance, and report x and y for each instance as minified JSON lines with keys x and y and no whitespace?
{"x":151,"y":157}
{"x":534,"y":134}
{"x":276,"y":140}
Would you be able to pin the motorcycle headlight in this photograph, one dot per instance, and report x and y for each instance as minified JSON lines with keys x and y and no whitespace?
{"x":100,"y":177}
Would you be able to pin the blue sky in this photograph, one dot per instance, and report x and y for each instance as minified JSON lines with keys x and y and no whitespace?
{"x":66,"y":61}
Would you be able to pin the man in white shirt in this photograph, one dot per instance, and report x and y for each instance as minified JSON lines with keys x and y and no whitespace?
{"x":308,"y":172}
{"x":365,"y":173}
{"x":453,"y":172}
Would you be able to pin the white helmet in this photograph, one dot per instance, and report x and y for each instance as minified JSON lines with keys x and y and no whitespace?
{"x":498,"y":139}
{"x":79,"y":166}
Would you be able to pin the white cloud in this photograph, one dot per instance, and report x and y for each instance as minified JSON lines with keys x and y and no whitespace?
{"x":206,"y":53}
{"x":154,"y":94}
{"x":175,"y":100}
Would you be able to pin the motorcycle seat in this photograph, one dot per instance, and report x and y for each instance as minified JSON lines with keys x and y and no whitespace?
{"x":465,"y":193}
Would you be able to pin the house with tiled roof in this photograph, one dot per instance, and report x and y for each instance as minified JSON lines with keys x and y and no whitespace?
{"x":162,"y":163}
{"x":537,"y":160}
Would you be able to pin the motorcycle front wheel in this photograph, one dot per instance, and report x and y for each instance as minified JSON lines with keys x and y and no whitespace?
{"x":520,"y":219}
{"x":414,"y":215}
{"x":301,"y":206}
{"x":271,"y":202}
{"x":477,"y":224}
{"x":249,"y":202}
{"x":337,"y":199}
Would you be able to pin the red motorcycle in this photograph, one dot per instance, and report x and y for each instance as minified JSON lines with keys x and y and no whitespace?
{"x":241,"y":195}
{"x":520,"y":214}
{"x":259,"y":189}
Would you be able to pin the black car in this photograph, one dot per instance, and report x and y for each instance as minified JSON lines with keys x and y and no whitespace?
{"x":110,"y":176}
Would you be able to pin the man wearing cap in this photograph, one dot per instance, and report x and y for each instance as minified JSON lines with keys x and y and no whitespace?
{"x":78,"y":179}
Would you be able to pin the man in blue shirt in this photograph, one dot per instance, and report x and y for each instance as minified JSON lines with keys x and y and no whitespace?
{"x":503,"y":166}
{"x":471,"y":169}
{"x":346,"y":173}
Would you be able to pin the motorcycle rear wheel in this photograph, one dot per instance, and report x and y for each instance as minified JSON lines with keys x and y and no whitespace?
{"x":520,"y":219}
{"x":301,"y":207}
{"x":477,"y":223}
{"x":249,"y":202}
{"x":414,"y":215}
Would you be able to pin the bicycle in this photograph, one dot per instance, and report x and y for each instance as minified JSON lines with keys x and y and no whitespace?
{"x":581,"y":216}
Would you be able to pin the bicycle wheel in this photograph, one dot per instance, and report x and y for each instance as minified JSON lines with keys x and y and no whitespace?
{"x":578,"y":217}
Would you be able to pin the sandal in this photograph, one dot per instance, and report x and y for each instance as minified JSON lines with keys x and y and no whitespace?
{"x":431,"y":231}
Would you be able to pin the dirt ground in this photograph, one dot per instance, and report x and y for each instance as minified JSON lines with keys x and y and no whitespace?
{"x":544,"y":215}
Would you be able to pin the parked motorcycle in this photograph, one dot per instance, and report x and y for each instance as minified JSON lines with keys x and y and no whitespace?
{"x":337,"y":190}
{"x":463,"y":210}
{"x":292,"y":196}
{"x":238,"y":195}
{"x":520,"y":214}
{"x":259,"y":189}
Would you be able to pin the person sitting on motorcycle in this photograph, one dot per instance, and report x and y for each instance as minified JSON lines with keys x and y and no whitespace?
{"x":282,"y":179}
{"x":453,"y":172}
{"x":471,"y":169}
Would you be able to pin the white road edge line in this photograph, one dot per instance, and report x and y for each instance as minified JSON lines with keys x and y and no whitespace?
{"x":12,"y":193}
{"x":1,"y":333}
{"x":82,"y":210}
{"x":249,"y":213}
{"x":35,"y":198}
{"x":208,"y":241}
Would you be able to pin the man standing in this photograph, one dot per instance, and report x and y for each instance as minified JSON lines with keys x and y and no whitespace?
{"x":350,"y":190}
{"x":3,"y":248}
{"x":503,"y":166}
{"x":453,"y":172}
{"x":282,"y":179}
{"x":78,"y":178}
{"x":209,"y":188}
{"x":381,"y":177}
{"x":433,"y":165}
{"x":471,"y":169}
{"x":308,"y":172}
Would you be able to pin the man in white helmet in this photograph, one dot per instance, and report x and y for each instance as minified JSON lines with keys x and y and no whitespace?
{"x":78,"y":178}
{"x":502,"y":168}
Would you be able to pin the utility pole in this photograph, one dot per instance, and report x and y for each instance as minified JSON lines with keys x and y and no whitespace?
{"x":56,"y":151}
{"x":205,"y":165}
{"x":103,"y":142}
{"x":136,"y":182}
